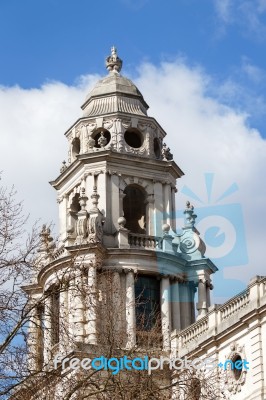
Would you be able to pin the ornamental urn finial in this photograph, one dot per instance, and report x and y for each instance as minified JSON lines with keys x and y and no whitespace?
{"x":113,"y":62}
{"x":190,"y":217}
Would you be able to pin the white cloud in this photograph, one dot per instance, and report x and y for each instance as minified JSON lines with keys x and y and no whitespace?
{"x":224,"y":9}
{"x":204,"y":135}
{"x":33,"y":146}
{"x":253,"y":72}
{"x":246,"y":14}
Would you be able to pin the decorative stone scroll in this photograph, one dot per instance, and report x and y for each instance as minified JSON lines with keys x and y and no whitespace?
{"x":89,"y":226}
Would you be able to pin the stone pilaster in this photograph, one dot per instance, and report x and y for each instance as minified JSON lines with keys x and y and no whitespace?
{"x":64,"y":325}
{"x":33,"y":340}
{"x":117,"y":314}
{"x":150,"y":215}
{"x":71,"y":310}
{"x":92,"y":304}
{"x":79,"y":307}
{"x":176,"y":318}
{"x":202,"y":298}
{"x":47,"y":334}
{"x":165,"y":311}
{"x":130,"y":308}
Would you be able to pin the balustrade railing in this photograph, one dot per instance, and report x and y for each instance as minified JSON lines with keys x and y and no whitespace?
{"x":144,"y":241}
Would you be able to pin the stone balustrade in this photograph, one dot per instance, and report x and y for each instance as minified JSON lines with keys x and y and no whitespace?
{"x":144,"y":241}
{"x":193,"y":331}
{"x":218,"y":315}
{"x":58,"y":253}
{"x":234,"y":305}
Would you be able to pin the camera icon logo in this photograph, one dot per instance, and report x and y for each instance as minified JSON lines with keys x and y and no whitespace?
{"x":221,"y":227}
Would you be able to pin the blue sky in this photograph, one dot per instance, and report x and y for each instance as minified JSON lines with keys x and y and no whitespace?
{"x":60,"y":40}
{"x":201,"y":67}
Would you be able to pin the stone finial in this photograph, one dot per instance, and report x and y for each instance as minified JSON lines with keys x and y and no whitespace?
{"x":83,"y":199}
{"x":113,"y":62}
{"x":95,"y":198}
{"x":121,"y":222}
{"x":190,"y":217}
{"x":46,"y":241}
{"x":166,"y":229}
{"x":63,"y":167}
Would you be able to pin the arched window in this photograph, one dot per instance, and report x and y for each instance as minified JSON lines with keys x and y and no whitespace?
{"x":147,"y":300}
{"x":157,"y":148}
{"x":75,"y":147}
{"x":134,"y":206}
{"x":75,"y":206}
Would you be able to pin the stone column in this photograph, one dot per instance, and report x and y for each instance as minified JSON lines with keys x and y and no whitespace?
{"x":71,"y":310}
{"x":176,"y":311}
{"x":185,"y":305}
{"x":102,"y":183}
{"x":165,"y":311}
{"x":202,"y":298}
{"x":79,"y":307}
{"x":62,"y":218}
{"x":89,"y":183}
{"x":173,"y":208}
{"x":130,"y":308}
{"x":115,"y":203}
{"x":47,"y":333}
{"x":117,"y":312}
{"x":92,"y":304}
{"x":33,"y":341}
{"x":158,"y":208}
{"x":150,"y":215}
{"x":209,"y":287}
{"x":63,"y":315}
{"x":167,"y":203}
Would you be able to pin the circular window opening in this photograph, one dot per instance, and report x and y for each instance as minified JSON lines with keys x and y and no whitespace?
{"x":99,"y":136}
{"x":75,"y":147}
{"x":237,"y":367}
{"x":133,"y":138}
{"x":157,"y":148}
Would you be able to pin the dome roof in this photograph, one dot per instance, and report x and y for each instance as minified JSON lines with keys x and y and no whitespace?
{"x":114,"y":93}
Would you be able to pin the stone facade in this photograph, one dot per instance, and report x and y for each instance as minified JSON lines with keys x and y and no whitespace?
{"x":116,"y":198}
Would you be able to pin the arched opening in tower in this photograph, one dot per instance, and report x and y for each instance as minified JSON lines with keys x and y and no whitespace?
{"x":75,"y":147}
{"x":134,"y":207}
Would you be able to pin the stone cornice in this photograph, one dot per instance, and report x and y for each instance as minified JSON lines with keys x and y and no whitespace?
{"x":110,"y":157}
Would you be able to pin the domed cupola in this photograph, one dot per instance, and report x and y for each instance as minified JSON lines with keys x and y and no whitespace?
{"x":114,"y":93}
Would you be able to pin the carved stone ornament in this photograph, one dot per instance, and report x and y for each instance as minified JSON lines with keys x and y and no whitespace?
{"x":90,"y":143}
{"x":190,"y":217}
{"x":166,"y":153}
{"x":63,"y":167}
{"x":113,"y":62}
{"x":234,"y":382}
{"x":102,"y":141}
{"x":95,"y":228}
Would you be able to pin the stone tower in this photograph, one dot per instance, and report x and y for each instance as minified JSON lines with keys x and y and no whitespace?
{"x":116,"y":197}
